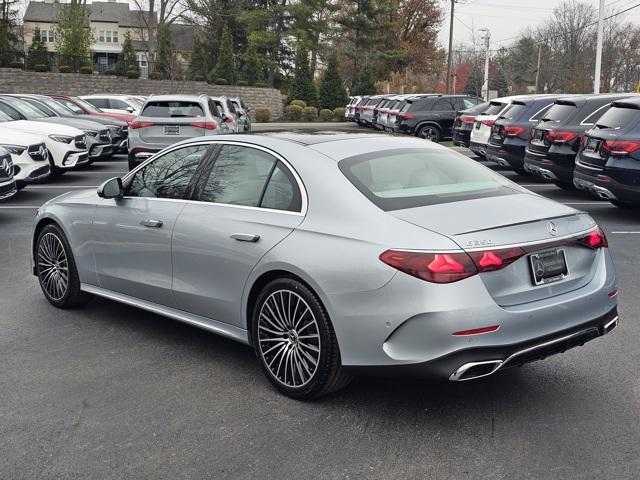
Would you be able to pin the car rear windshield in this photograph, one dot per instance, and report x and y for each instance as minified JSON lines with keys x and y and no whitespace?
{"x":559,"y":112}
{"x":494,"y":108}
{"x":514,"y":111}
{"x":172,"y":109}
{"x":416,"y":177}
{"x":618,"y":117}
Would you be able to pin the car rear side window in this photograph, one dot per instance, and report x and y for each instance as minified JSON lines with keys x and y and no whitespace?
{"x":559,"y":112}
{"x":172,"y":109}
{"x":118,"y":104}
{"x":407,"y":178}
{"x":282,"y":192}
{"x":167,"y":176}
{"x":443,"y":104}
{"x":99,"y":102}
{"x":238,"y":176}
{"x":494,"y":108}
{"x":618,"y":117}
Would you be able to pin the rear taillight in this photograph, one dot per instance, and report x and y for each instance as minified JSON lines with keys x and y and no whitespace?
{"x":496,"y":259}
{"x":467,"y":119}
{"x":206,"y":125}
{"x":406,"y":116}
{"x":513,"y":131}
{"x":139,"y":124}
{"x":594,"y":239}
{"x":620,"y":147}
{"x":488,"y":123}
{"x":560,"y":136}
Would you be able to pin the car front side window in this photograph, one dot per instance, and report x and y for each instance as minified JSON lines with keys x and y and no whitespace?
{"x":167,"y":176}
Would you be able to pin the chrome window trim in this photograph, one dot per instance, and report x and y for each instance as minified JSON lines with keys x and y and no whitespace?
{"x":593,"y":113}
{"x":169,"y":149}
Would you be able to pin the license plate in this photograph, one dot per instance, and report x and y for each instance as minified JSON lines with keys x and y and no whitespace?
{"x":548,"y":267}
{"x":172,"y":130}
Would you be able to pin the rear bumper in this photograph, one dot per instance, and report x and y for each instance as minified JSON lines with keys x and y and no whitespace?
{"x":603,"y":186}
{"x":462,"y":138}
{"x":100,"y":150}
{"x":552,"y":166}
{"x":478,"y":148}
{"x":506,"y":155}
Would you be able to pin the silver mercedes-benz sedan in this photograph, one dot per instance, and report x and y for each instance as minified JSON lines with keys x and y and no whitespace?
{"x":336,"y":254}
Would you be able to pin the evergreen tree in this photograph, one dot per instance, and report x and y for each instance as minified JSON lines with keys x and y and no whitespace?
{"x":8,"y":38}
{"x":127,"y":59}
{"x":302,"y":86}
{"x":73,"y":34}
{"x":199,"y":59}
{"x":253,"y":66}
{"x":364,"y":83}
{"x":165,"y":61}
{"x":37,"y":52}
{"x":226,"y":66}
{"x":332,"y":92}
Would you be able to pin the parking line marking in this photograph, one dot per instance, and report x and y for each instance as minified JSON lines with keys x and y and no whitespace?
{"x":546,"y":185}
{"x":9,"y":207}
{"x":627,"y":233}
{"x":45,"y":187}
{"x":584,"y":203}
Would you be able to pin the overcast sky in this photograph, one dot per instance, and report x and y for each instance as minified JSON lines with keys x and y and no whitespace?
{"x":507,"y":18}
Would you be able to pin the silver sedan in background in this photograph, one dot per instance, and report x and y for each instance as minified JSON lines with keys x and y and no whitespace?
{"x":336,"y":254}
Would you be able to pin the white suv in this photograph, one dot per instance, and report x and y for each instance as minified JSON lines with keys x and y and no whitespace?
{"x":67,"y":145}
{"x":29,"y":154}
{"x":481,"y":130}
{"x":115,"y":103}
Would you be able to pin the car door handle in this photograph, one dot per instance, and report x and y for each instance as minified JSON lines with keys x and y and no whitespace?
{"x":245,"y":237}
{"x":147,"y":222}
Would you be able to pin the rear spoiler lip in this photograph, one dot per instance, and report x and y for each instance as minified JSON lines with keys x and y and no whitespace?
{"x":518,"y":223}
{"x":625,"y":104}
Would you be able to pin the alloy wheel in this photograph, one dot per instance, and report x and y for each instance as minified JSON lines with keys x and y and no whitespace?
{"x":53,"y":266}
{"x":289,"y":338}
{"x":430,"y":133}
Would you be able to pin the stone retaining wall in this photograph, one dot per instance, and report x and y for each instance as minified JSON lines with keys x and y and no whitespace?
{"x":46,"y":83}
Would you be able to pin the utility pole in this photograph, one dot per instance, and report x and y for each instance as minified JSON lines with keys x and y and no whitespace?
{"x":485,"y":85}
{"x":596,"y":80}
{"x":450,"y":56}
{"x":538,"y":69}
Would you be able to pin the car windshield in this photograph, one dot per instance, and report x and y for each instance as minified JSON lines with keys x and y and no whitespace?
{"x":172,"y":109}
{"x":618,"y":117}
{"x":559,"y":112}
{"x":57,"y":107}
{"x":408,"y":178}
{"x":4,"y":117}
{"x":25,"y":109}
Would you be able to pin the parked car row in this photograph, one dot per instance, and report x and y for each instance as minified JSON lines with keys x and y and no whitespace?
{"x":426,"y":115}
{"x":44,"y":135}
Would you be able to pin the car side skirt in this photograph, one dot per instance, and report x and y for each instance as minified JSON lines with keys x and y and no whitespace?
{"x":214,"y":326}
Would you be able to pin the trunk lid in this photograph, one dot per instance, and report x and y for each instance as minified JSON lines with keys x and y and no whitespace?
{"x":522,"y":220}
{"x":170,"y":130}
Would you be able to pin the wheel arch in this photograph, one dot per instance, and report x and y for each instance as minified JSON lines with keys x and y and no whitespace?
{"x":40,"y":224}
{"x":425,"y":123}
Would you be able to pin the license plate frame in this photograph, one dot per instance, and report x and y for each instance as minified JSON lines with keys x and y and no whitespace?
{"x":549,"y":266}
{"x":172,"y":129}
{"x":538,"y":134}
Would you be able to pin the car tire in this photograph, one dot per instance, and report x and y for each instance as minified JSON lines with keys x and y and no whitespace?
{"x":280,"y":310}
{"x":625,"y":205}
{"x":429,"y":132}
{"x":53,"y":257}
{"x":565,"y":185}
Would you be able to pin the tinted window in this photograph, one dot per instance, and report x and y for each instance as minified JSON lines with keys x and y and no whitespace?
{"x":541,"y":113}
{"x":514,"y":111}
{"x":595,"y":115}
{"x":71,"y":106}
{"x":408,"y":178}
{"x":10,"y":112}
{"x":172,"y":109}
{"x":169,"y":175}
{"x":118,"y":104}
{"x":40,"y":107}
{"x":559,"y":112}
{"x":238,"y":176}
{"x":405,"y":107}
{"x":282,"y":191}
{"x":617,"y":117}
{"x":443,"y":104}
{"x":26,"y":109}
{"x":468,"y":102}
{"x":99,"y":102}
{"x":494,"y":108}
{"x":477,"y":110}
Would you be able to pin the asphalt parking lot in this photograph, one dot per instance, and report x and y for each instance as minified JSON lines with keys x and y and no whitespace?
{"x":111,"y":392}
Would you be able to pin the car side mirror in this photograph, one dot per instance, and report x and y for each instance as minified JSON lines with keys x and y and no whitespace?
{"x":130,"y":109}
{"x":112,"y":188}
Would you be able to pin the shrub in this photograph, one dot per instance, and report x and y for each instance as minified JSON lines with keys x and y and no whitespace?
{"x":326,"y":114}
{"x":242,"y":83}
{"x":63,"y":69}
{"x":299,"y":103}
{"x":133,"y":73}
{"x":260,"y":85}
{"x":40,"y":67}
{"x":16,"y":64}
{"x":111,"y":71}
{"x":263,"y":115}
{"x":339,"y":113}
{"x":155,"y":75}
{"x":221,"y":81}
{"x":310,"y":113}
{"x":86,"y":70}
{"x":293,"y":112}
{"x":199,"y":78}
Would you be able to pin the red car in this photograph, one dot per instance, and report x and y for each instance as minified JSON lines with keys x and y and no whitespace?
{"x":80,"y":106}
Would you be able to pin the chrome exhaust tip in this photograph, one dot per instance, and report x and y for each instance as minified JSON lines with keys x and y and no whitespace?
{"x":473,"y":370}
{"x":610,"y":325}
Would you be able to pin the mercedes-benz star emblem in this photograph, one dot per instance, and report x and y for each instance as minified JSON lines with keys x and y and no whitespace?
{"x":538,"y":268}
{"x":7,"y":166}
{"x":552,"y":229}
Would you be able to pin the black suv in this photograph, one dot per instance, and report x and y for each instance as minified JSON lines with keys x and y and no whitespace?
{"x":510,"y":133}
{"x":463,"y":124}
{"x":554,"y":143}
{"x":608,"y":163}
{"x":432,"y":117}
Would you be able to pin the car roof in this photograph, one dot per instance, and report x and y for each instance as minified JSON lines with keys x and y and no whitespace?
{"x":176,"y":97}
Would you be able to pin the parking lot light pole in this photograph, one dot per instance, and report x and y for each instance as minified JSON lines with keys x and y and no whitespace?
{"x":596,"y":79}
{"x":449,"y":56}
{"x":485,"y":85}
